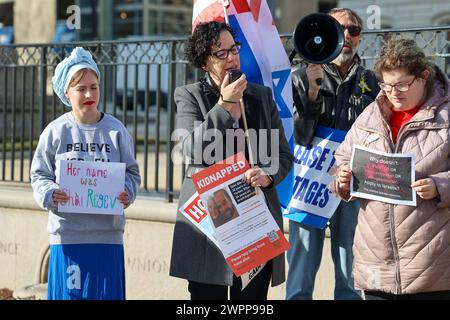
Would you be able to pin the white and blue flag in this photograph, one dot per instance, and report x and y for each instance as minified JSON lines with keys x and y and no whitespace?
{"x":263,"y":58}
{"x":264,"y":61}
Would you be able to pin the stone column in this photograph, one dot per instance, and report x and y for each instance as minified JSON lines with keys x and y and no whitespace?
{"x":34,"y":21}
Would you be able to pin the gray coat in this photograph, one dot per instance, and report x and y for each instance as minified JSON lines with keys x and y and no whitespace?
{"x":194,"y":256}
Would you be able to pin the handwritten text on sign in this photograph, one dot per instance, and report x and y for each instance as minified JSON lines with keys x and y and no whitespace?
{"x":93,"y":187}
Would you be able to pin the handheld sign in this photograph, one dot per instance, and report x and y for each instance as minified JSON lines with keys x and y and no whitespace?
{"x":195,"y":211}
{"x":93,"y":187}
{"x":381,"y":176}
{"x":243,"y":225}
{"x":312,"y":202}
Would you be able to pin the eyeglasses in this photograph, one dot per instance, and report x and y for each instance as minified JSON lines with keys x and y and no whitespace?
{"x":223,"y":54}
{"x":402,"y":86}
{"x":353,"y":30}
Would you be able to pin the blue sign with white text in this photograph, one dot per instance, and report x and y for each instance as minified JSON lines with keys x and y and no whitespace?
{"x":312,"y":203}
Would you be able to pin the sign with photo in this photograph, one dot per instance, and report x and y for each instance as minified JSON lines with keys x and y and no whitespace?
{"x":383,"y":176}
{"x":243,"y":226}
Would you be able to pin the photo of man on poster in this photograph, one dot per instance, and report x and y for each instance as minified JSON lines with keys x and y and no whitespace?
{"x":221,"y":208}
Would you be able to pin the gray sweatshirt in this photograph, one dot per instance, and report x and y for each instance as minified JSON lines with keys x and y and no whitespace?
{"x":66,"y":139}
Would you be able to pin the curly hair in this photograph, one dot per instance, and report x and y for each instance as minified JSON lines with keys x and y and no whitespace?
{"x":198,"y":46}
{"x":404,"y":54}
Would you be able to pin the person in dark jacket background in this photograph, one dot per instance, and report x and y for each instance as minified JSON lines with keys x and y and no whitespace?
{"x":346,"y":89}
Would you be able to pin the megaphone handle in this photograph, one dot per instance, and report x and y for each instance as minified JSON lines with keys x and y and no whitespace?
{"x":319,"y":81}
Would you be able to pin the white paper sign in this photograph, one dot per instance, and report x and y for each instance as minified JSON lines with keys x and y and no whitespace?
{"x":382,"y":176}
{"x":93,"y":187}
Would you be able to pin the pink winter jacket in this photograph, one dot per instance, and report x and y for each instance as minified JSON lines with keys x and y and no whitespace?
{"x":403,"y":249}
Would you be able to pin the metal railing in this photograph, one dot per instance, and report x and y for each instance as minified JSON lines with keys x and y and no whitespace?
{"x":138,"y":80}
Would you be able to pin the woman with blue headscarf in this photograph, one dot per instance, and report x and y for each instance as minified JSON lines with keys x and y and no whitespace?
{"x":86,"y":250}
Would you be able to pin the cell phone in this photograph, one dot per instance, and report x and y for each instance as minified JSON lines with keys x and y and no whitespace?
{"x":234,"y":74}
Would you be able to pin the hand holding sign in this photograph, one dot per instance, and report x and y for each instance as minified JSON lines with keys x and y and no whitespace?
{"x":60,"y":196}
{"x":344,"y":177}
{"x":123,"y":199}
{"x":257,"y":178}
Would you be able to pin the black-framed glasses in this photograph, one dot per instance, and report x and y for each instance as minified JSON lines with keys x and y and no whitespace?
{"x":223,"y":53}
{"x":353,"y":30}
{"x":401,"y":86}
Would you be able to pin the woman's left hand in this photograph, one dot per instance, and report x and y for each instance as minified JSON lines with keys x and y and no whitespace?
{"x":257,"y":178}
{"x":425,"y":188}
{"x":123,"y":199}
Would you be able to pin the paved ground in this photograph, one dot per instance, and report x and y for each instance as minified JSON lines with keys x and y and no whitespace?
{"x":323,"y":288}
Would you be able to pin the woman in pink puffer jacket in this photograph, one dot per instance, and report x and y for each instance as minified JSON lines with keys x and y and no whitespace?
{"x":403,"y":252}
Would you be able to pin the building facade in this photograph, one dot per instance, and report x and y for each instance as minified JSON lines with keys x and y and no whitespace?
{"x":402,"y":14}
{"x":37,"y":21}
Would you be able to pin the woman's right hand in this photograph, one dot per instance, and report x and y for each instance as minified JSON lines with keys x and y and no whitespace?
{"x":233,"y":93}
{"x":60,"y":196}
{"x":343,"y":179}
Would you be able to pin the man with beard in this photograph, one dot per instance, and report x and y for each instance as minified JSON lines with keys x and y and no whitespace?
{"x":222,"y":208}
{"x":345,"y":90}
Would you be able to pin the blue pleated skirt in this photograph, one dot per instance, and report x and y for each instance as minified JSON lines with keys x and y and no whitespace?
{"x":86,"y":272}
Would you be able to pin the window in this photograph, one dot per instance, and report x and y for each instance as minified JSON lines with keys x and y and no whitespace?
{"x":6,"y":23}
{"x":89,"y":20}
{"x":165,"y":22}
{"x":168,"y":17}
{"x":127,"y":22}
{"x":6,"y":14}
{"x":136,"y":17}
{"x":61,"y":8}
{"x":128,"y":18}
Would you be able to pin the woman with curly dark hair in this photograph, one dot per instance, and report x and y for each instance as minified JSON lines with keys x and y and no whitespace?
{"x":209,"y":113}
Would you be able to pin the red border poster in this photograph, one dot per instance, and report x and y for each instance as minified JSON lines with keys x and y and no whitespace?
{"x":243,"y":225}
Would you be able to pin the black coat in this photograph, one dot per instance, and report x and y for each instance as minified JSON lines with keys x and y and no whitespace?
{"x":194,"y":256}
{"x":339,"y":103}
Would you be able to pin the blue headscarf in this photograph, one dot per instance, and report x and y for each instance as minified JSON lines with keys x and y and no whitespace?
{"x":64,"y":71}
